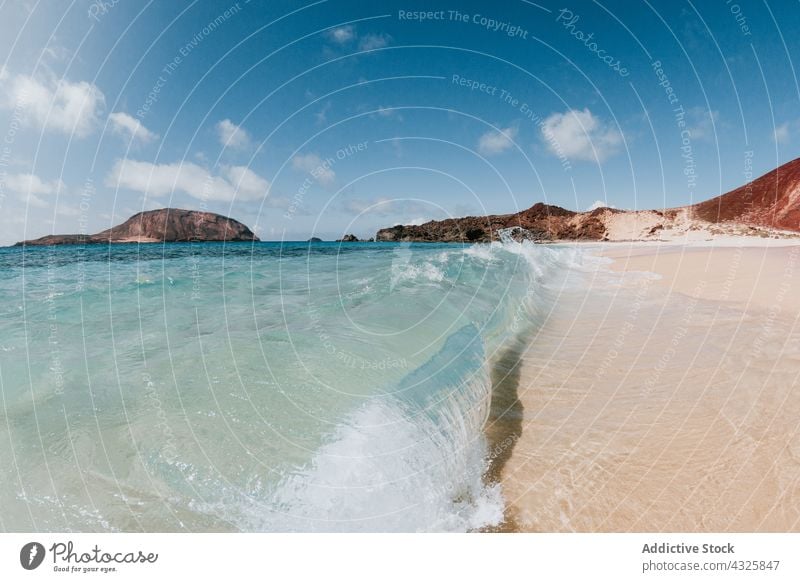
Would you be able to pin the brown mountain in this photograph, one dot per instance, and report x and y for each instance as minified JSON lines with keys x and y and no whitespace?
{"x":163,"y":225}
{"x":769,"y":202}
{"x":773,"y":200}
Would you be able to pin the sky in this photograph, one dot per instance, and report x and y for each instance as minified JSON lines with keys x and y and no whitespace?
{"x":323,"y":118}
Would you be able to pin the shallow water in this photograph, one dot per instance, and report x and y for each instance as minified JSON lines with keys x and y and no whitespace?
{"x":264,"y":387}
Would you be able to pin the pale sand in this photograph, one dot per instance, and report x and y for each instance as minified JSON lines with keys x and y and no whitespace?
{"x":752,"y":276}
{"x":660,"y":404}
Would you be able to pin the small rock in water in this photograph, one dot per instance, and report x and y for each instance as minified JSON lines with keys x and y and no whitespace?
{"x":519,"y":234}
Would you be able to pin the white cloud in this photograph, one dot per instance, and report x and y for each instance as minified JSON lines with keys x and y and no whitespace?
{"x":31,"y":183}
{"x":58,"y":105}
{"x":342,"y":34}
{"x":126,"y":126}
{"x":702,"y":122}
{"x":599,"y":204}
{"x":246,"y":180}
{"x":371,"y":42}
{"x":782,"y":133}
{"x":232,"y":135}
{"x":580,"y":135}
{"x":234,"y":182}
{"x":66,"y":210}
{"x":345,"y":35}
{"x":322,"y":115}
{"x":387,"y":113}
{"x":494,"y":142}
{"x":29,"y":188}
{"x":57,"y":53}
{"x":319,"y":169}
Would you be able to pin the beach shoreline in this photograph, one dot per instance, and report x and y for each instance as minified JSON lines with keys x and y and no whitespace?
{"x":660,"y":396}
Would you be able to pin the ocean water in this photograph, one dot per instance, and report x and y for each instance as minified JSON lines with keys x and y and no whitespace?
{"x":259,"y":387}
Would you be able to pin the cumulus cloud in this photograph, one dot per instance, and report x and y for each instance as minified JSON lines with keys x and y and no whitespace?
{"x":319,"y":169}
{"x":494,"y":142}
{"x":348,"y":35}
{"x":30,"y":187}
{"x":233,"y":182}
{"x":387,"y":113}
{"x":57,"y":105}
{"x":580,"y":135}
{"x":131,"y":128}
{"x":701,"y":122}
{"x":371,"y":42}
{"x":342,"y":34}
{"x":782,"y":133}
{"x":66,"y":210}
{"x":322,"y":115}
{"x":55,"y":52}
{"x":246,"y":180}
{"x":231,"y":135}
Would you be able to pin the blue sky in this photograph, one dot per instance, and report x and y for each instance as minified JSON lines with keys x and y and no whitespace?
{"x":328,"y":117}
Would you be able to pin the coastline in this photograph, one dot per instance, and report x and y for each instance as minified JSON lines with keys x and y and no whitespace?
{"x":659,"y":397}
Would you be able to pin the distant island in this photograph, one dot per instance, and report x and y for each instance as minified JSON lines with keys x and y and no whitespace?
{"x":154,"y":226}
{"x":766,"y":207}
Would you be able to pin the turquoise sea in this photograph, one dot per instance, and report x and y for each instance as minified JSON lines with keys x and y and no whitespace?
{"x":259,"y":387}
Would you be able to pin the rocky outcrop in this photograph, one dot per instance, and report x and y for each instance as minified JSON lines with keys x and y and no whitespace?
{"x":163,"y":225}
{"x":519,"y":234}
{"x":348,"y":238}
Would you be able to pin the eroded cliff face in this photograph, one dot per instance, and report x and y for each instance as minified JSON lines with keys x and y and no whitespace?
{"x":769,"y":202}
{"x":163,"y":225}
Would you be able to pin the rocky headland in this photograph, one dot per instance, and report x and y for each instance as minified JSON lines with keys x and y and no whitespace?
{"x":768,"y":206}
{"x":163,"y":225}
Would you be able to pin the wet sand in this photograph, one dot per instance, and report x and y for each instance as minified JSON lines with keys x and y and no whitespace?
{"x":666,"y":402}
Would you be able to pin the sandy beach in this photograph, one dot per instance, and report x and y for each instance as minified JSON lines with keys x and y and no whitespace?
{"x":660,"y":397}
